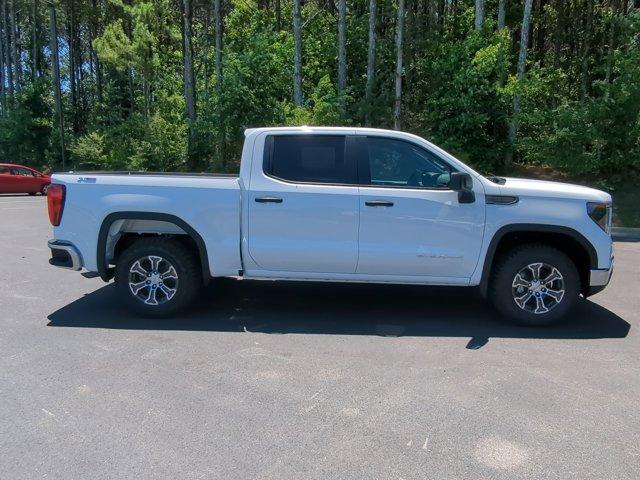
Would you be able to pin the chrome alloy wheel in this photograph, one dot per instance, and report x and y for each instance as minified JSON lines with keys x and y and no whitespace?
{"x":538,"y":288}
{"x":153,"y":280}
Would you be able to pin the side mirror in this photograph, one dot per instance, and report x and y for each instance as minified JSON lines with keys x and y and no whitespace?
{"x":462,"y":183}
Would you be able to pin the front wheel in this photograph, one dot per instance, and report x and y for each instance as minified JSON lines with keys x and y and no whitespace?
{"x":157,"y":277}
{"x":534,"y":285}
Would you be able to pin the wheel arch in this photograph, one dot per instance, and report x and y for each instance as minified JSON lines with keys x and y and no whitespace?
{"x":566,"y":239}
{"x":183,"y":228}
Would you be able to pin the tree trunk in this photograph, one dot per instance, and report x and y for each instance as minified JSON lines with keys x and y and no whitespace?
{"x":399,"y":39}
{"x":558,"y":32}
{"x":409,"y":41}
{"x":17,"y":64}
{"x":206,"y":47}
{"x":189,"y":83}
{"x":55,"y":63}
{"x":220,"y":144}
{"x":540,"y":32}
{"x":4,"y":13}
{"x":82,"y":97}
{"x":3,"y":93}
{"x":371,"y":60}
{"x":501,"y":14}
{"x":297,"y":54}
{"x":442,"y":12}
{"x":71,"y":26}
{"x":585,"y":50}
{"x":35,"y":53}
{"x":522,"y":62}
{"x":342,"y":52}
{"x":217,"y":14}
{"x":278,"y":9}
{"x":611,"y":40}
{"x":479,"y":14}
{"x":128,"y":29}
{"x":95,"y":60}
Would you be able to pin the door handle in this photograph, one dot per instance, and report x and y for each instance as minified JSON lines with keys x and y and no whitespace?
{"x":378,"y":203}
{"x":268,"y":200}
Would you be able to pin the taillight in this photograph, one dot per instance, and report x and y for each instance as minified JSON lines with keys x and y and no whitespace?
{"x":55,"y":203}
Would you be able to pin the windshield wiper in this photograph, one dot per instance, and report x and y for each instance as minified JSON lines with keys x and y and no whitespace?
{"x":496,"y":179}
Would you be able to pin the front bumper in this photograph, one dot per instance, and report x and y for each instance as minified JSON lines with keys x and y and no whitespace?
{"x":64,"y":255}
{"x":599,"y":279}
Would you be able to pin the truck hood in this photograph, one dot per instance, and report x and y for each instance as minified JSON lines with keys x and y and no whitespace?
{"x":542,"y":188}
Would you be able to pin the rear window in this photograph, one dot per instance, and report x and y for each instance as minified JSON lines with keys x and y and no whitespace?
{"x":309,"y":159}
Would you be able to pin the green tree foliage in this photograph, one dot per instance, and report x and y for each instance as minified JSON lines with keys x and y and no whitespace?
{"x":599,"y":134}
{"x":466,"y":110}
{"x":25,"y":129}
{"x":123,"y":85}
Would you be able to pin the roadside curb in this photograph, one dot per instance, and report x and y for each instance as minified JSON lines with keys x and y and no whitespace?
{"x":622,"y":234}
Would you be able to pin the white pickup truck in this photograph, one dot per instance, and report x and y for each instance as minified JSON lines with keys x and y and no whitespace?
{"x":336,"y":204}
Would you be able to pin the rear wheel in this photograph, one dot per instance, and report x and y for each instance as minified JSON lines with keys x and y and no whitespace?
{"x":534,"y":285}
{"x":44,"y":189}
{"x":157,"y":277}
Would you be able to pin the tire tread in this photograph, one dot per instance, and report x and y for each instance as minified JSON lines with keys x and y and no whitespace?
{"x":184,"y":260}
{"x":503,"y":273}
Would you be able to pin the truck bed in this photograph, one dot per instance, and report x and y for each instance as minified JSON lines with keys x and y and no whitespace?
{"x":208,"y":203}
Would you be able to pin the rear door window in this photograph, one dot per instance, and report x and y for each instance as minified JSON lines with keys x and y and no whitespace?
{"x":309,"y":159}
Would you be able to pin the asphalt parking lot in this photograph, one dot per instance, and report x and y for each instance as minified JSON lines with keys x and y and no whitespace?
{"x":307,"y":381}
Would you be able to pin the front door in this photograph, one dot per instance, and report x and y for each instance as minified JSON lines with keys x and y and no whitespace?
{"x":411,"y":223}
{"x":303,"y":206}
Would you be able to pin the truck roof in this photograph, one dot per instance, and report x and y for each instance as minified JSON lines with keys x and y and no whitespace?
{"x":324,"y":129}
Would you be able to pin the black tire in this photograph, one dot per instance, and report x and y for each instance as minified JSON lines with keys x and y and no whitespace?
{"x":173,"y":253}
{"x":32,"y":193}
{"x":43,"y":190}
{"x":502,"y":291}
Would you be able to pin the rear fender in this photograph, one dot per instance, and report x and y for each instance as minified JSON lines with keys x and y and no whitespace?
{"x":117,"y":223}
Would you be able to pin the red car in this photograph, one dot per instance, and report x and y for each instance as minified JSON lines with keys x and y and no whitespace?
{"x":20,"y":179}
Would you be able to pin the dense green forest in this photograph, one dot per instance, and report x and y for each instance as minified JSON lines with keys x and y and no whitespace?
{"x":172,"y":84}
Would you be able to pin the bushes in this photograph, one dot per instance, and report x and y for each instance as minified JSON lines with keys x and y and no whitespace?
{"x":458,"y":101}
{"x":25,"y":131}
{"x":153,"y":145}
{"x":597,"y":135}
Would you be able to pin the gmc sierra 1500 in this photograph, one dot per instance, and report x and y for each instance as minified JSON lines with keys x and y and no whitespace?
{"x":336,"y":204}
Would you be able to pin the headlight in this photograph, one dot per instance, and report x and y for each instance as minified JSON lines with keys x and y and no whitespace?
{"x":601,"y":214}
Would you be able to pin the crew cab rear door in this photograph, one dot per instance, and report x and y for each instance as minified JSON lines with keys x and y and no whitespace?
{"x":303,"y":205}
{"x":411,"y":222}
